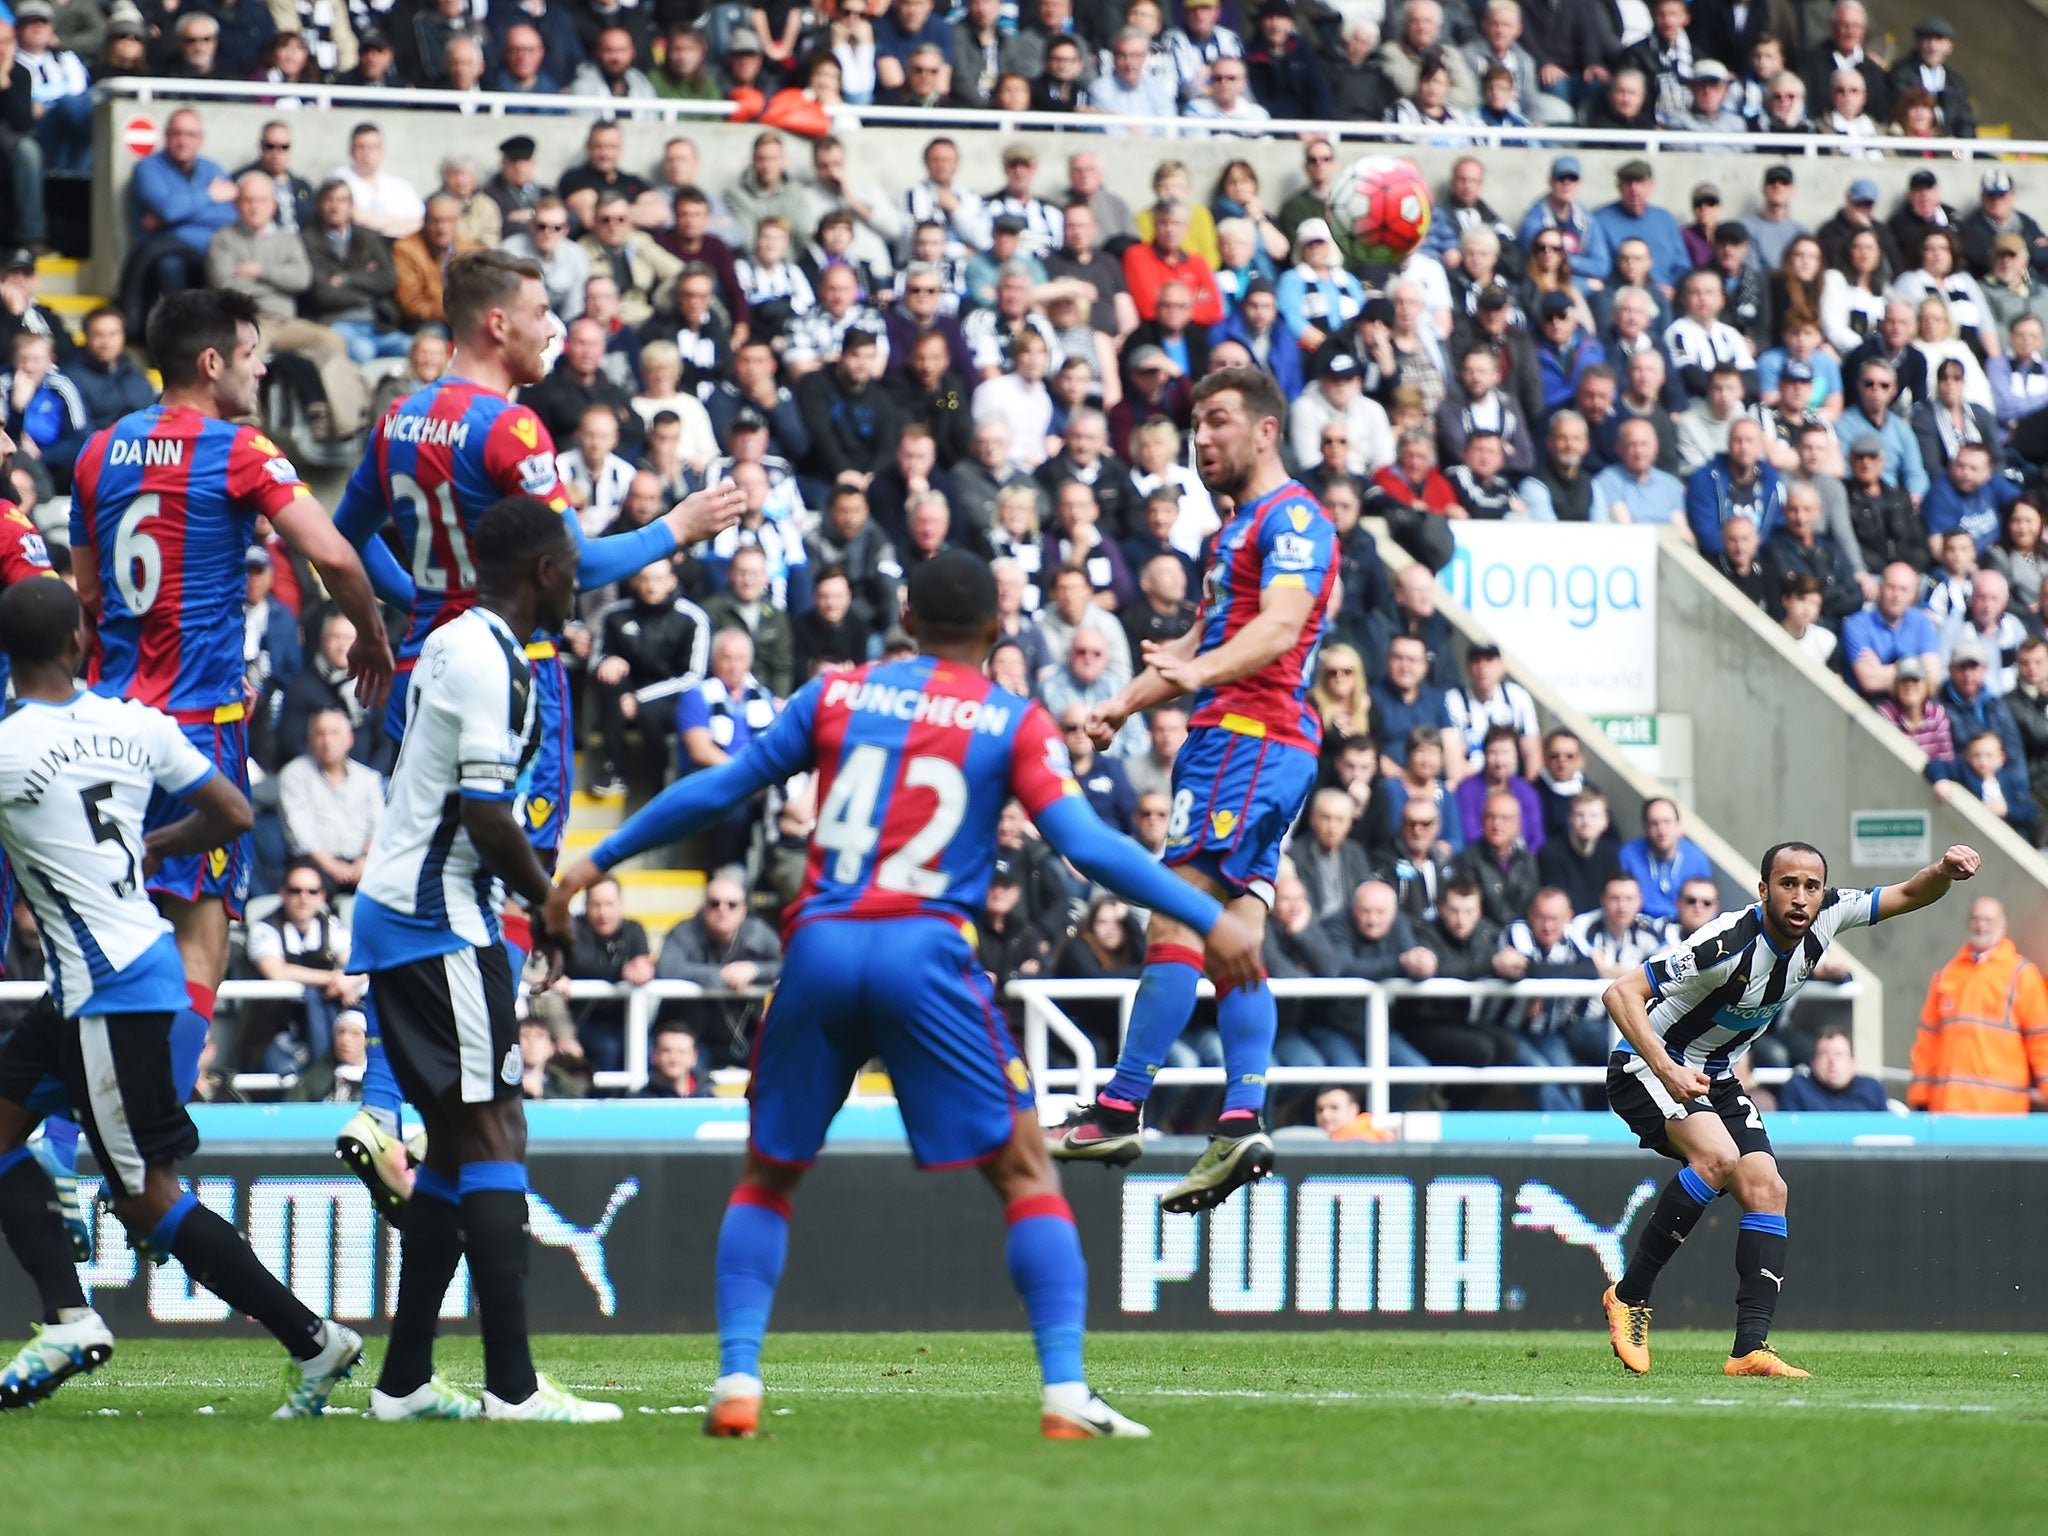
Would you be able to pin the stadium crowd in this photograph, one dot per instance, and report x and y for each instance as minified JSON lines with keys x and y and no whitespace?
{"x":1841,"y":407}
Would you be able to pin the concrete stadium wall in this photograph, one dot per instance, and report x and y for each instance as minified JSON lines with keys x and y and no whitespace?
{"x":1785,"y":749}
{"x":416,"y":141}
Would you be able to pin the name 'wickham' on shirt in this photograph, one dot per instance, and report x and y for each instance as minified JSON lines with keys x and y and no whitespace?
{"x":433,"y":431}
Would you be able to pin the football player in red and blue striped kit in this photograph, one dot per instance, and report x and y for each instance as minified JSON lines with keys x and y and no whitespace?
{"x":1239,"y":781}
{"x":164,"y":506}
{"x":439,"y":460}
{"x":915,"y":760}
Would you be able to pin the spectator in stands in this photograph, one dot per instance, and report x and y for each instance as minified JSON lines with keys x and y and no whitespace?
{"x":1832,"y":1082}
{"x":339,"y":1081}
{"x":1416,"y":866}
{"x":1559,"y":780}
{"x":1736,"y":483}
{"x":1968,"y":497}
{"x":384,"y":201}
{"x":577,"y":382}
{"x":180,"y":198}
{"x":1553,"y":1032}
{"x":1799,"y":549}
{"x":1987,"y":771}
{"x":725,"y":948}
{"x":305,"y":943}
{"x":1988,"y":619}
{"x":653,"y":645}
{"x":354,"y":284}
{"x":565,"y":268}
{"x":606,"y":946}
{"x":746,"y":605}
{"x":1663,"y":859}
{"x":548,"y":1069}
{"x":1463,"y":941}
{"x":1581,"y":858}
{"x":42,"y":408}
{"x":108,"y":380}
{"x":1799,"y":602}
{"x":1882,"y":516}
{"x":61,"y":91}
{"x":1151,"y":771}
{"x":426,"y":359}
{"x":1635,"y":216}
{"x":1926,"y":69}
{"x":1498,"y":770}
{"x":1894,"y":626}
{"x":609,"y":72}
{"x":324,"y":684}
{"x":853,"y":424}
{"x":1406,"y":700}
{"x":672,"y":1051}
{"x":422,"y":258}
{"x":329,"y":803}
{"x":647,"y":274}
{"x":1922,"y":718}
{"x":255,"y":257}
{"x":1633,"y":489}
{"x":2029,"y":705}
{"x":1331,"y":864}
{"x":1497,"y":861}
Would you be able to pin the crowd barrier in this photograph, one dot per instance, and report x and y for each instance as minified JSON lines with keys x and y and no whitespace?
{"x":1044,"y":1020}
{"x":1342,"y":1236}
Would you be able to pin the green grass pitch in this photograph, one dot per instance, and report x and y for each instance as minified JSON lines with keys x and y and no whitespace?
{"x":905,"y":1434}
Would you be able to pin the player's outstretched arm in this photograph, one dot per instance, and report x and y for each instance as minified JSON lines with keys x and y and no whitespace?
{"x":220,"y":814}
{"x":306,"y":527}
{"x":388,"y":579}
{"x":1929,"y":885}
{"x":695,"y":518}
{"x":1628,"y":1004}
{"x":1110,"y":859}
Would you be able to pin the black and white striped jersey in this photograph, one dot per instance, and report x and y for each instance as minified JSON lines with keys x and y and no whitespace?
{"x":1712,"y":995}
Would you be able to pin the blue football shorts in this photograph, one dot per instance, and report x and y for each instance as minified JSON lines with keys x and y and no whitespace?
{"x":1234,"y":797}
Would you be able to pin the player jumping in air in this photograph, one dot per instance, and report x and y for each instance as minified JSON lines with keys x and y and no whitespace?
{"x":78,"y":772}
{"x":426,"y":930}
{"x":915,"y":760}
{"x":436,"y":462}
{"x":163,"y":510}
{"x":1686,"y":1018}
{"x":1239,"y":781}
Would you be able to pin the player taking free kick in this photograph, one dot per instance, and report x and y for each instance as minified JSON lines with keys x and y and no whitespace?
{"x":915,"y":760}
{"x":1686,"y":1018}
{"x":1239,"y":781}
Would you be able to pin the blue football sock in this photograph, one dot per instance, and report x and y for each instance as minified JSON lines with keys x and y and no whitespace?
{"x":753,"y":1243}
{"x":60,"y":1137}
{"x":1161,"y":1010}
{"x":1248,"y":1019}
{"x":1044,"y":1255}
{"x":381,"y":1095}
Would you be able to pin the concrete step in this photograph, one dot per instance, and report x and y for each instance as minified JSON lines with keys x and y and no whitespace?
{"x":57,"y":276}
{"x":588,"y":812}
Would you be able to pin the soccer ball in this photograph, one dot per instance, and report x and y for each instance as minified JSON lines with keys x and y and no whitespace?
{"x":1380,"y":209}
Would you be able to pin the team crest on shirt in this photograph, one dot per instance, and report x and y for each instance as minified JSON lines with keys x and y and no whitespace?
{"x":525,"y":429}
{"x":537,"y":810}
{"x":509,"y":1068}
{"x":1223,"y":823}
{"x":536,"y":473}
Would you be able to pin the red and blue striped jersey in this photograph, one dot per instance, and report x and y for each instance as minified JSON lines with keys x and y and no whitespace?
{"x":23,"y":557}
{"x":1281,"y":540}
{"x":915,"y":760}
{"x":166,"y":499}
{"x":435,"y":464}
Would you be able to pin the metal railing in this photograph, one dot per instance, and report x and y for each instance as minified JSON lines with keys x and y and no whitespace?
{"x":1045,"y":1020}
{"x":1449,"y":135}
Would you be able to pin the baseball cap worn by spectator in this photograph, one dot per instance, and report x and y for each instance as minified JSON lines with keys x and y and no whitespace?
{"x":1710,"y":69}
{"x":1706,"y":195}
{"x":1920,"y":181}
{"x":1996,"y":183}
{"x":125,"y":20}
{"x":1566,"y":168}
{"x":1778,"y":176}
{"x":1312,"y":231}
{"x":1910,"y":669}
{"x":1020,"y":154}
{"x":255,"y":557}
{"x":21,"y":258}
{"x":518,"y":147}
{"x":1734,"y":232}
{"x":1149,"y":357}
{"x":1802,"y":373}
{"x":743,"y":40}
{"x":34,"y":10}
{"x":1341,"y":365}
{"x":1005,"y":872}
{"x":1863,"y":192}
{"x":1868,"y":445}
{"x":1966,"y":652}
{"x":1551,"y":304}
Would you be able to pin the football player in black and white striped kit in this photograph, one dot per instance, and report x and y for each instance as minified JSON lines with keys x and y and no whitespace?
{"x":1686,"y":1017}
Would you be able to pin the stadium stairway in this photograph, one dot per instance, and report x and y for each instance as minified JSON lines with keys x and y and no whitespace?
{"x":655,"y":897}
{"x":59,"y":284}
{"x":1628,"y":786}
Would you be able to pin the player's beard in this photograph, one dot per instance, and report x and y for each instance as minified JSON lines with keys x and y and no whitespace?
{"x":1231,"y":478}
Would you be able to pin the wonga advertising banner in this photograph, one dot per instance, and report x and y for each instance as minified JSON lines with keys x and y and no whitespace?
{"x":1577,"y":602}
